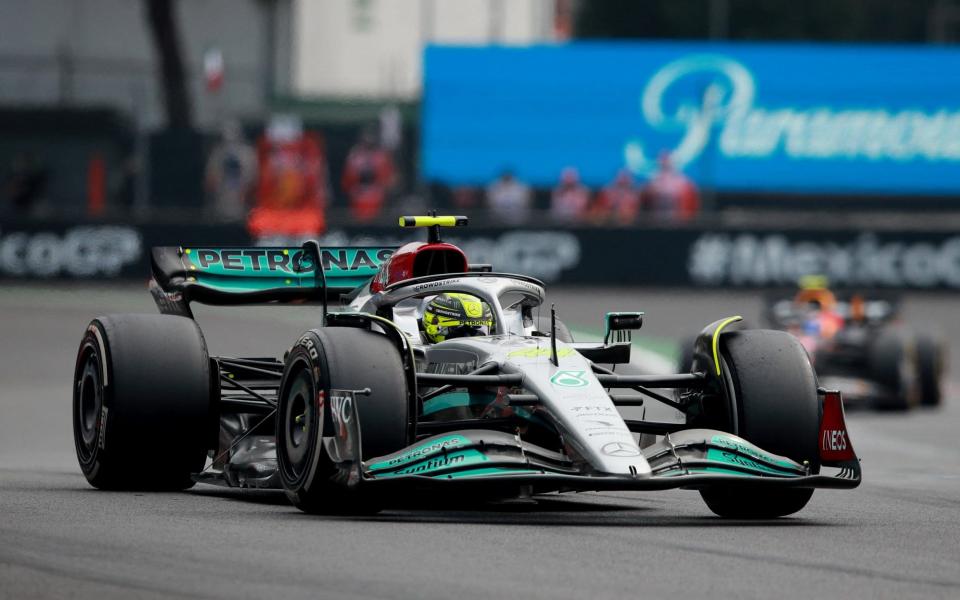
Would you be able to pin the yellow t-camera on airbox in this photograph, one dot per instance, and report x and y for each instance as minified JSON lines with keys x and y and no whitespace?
{"x":434,"y":223}
{"x":444,"y":221}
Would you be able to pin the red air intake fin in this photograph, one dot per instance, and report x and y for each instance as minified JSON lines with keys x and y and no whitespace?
{"x":835,"y":446}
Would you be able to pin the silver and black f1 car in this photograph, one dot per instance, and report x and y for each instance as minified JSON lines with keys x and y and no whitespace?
{"x":361,"y":409}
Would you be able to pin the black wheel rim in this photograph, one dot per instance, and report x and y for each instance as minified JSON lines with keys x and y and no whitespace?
{"x":298,"y":423}
{"x":88,"y":402}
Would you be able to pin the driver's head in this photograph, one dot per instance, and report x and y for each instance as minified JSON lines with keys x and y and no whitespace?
{"x":453,"y":315}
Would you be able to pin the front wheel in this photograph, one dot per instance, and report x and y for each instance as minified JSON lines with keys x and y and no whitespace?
{"x":347,"y":359}
{"x":772,"y":401}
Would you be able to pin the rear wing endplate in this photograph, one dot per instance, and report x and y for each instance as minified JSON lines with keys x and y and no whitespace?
{"x":259,"y":275}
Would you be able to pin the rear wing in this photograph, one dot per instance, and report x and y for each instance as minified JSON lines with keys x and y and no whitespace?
{"x":257,"y":275}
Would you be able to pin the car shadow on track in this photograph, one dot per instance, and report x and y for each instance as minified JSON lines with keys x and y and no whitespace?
{"x":267,"y":497}
{"x":597,"y":511}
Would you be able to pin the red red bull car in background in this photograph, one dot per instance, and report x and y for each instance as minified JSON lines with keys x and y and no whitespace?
{"x":859,"y":344}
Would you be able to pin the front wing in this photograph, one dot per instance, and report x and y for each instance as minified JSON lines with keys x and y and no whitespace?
{"x":694,"y":458}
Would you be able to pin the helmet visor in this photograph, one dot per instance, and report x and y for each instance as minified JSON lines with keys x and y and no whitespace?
{"x":468,"y":331}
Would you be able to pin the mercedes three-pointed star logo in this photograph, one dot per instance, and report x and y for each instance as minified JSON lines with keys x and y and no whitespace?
{"x":620,"y":449}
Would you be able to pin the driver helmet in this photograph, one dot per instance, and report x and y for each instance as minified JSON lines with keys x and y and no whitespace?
{"x":453,"y":315}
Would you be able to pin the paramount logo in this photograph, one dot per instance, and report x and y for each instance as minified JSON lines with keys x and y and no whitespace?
{"x":728,"y":104}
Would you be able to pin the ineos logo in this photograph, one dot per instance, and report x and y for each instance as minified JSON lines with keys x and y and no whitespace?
{"x":834,"y":439}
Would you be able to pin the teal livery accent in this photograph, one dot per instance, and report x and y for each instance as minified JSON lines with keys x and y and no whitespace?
{"x":763,"y":457}
{"x":466,"y":399}
{"x":731,"y":458}
{"x":259,"y":269}
{"x":443,"y":457}
{"x":706,"y":471}
{"x":434,"y":446}
{"x":456,"y":400}
{"x":435,"y":463}
{"x":570,"y":379}
{"x":491,"y":471}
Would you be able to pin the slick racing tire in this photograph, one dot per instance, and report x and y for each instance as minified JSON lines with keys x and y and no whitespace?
{"x":563,"y":332}
{"x":931,"y":361}
{"x":772,"y":399}
{"x":143,"y":415}
{"x":343,"y":358}
{"x":893,"y":364}
{"x":685,"y":354}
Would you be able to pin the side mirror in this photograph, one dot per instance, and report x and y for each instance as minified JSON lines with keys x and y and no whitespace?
{"x":621,"y":322}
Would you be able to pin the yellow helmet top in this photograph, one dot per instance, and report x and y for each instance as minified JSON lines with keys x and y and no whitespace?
{"x":452,"y":315}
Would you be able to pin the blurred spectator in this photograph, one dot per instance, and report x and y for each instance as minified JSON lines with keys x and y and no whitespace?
{"x":367,"y":177}
{"x":619,"y":201}
{"x":24,"y":183}
{"x":230,"y":174}
{"x":670,"y":195}
{"x":391,"y":128}
{"x":465,"y":197}
{"x":292,"y":188}
{"x":570,"y":198}
{"x":509,"y":199}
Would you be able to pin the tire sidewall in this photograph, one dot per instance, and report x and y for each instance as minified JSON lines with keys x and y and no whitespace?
{"x":93,"y":346}
{"x":744,"y":401}
{"x":342,"y":358}
{"x":156,"y":402}
{"x":305,"y":356}
{"x":749,"y":403}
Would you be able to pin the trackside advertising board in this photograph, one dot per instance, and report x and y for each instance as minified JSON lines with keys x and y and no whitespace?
{"x":735,"y":117}
{"x":691,"y":256}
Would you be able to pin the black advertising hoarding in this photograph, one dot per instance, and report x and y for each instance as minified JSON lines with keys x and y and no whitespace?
{"x":63,"y":250}
{"x":705,"y":257}
{"x":681,"y":257}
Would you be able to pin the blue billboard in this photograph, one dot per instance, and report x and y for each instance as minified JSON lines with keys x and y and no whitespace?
{"x":803,"y":118}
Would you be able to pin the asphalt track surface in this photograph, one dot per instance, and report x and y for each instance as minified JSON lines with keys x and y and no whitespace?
{"x":897,"y":536}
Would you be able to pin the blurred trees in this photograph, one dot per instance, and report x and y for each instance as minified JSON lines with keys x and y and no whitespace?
{"x":814,"y":20}
{"x":163,"y":27}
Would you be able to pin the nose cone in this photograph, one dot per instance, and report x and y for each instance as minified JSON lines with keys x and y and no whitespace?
{"x":581,"y":408}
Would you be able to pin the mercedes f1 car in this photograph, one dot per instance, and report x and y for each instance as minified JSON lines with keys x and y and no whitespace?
{"x":362,"y":409}
{"x":859,"y":346}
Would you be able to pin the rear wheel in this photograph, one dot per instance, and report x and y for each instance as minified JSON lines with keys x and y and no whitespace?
{"x":893,"y":364}
{"x":930,"y":368}
{"x":337,"y":358}
{"x":143,"y":416}
{"x":772,"y":402}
